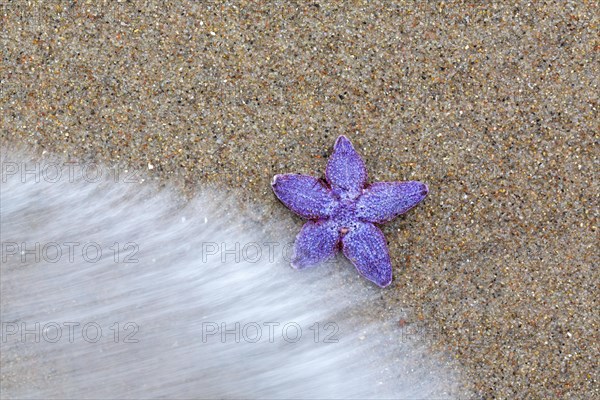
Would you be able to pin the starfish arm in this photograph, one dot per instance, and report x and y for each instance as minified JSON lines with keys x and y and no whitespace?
{"x":346,"y":170}
{"x":365,"y":246}
{"x":304,"y":195}
{"x":316,"y":242}
{"x":383,"y":201}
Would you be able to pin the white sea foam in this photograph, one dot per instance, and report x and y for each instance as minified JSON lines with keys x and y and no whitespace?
{"x":162,"y":317}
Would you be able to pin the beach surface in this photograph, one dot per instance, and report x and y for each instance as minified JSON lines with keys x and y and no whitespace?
{"x":494,"y":106}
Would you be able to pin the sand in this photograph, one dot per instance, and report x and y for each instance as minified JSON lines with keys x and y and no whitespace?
{"x":494,"y":106}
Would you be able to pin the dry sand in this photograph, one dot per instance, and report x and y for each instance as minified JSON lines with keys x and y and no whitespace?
{"x":495,"y":106}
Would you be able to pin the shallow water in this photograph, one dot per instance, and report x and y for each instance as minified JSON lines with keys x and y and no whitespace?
{"x":116,"y":289}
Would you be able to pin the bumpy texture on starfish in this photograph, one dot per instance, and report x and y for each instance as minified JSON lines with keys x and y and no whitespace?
{"x":342,"y":211}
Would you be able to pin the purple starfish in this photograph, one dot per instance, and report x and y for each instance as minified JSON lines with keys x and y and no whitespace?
{"x":342,"y":211}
